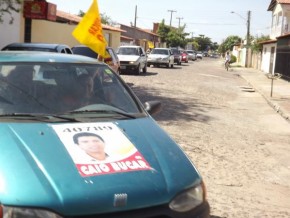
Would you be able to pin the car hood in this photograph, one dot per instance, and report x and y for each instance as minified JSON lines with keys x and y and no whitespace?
{"x":37,"y":168}
{"x":155,"y":56}
{"x":128,"y":57}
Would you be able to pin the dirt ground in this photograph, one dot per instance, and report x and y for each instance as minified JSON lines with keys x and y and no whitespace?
{"x":239,"y":144}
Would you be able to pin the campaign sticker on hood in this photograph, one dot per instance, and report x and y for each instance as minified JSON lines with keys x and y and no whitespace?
{"x":100,"y":148}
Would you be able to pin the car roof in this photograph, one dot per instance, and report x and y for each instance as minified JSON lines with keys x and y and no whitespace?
{"x":132,"y":46}
{"x":162,"y":48}
{"x":36,"y":45}
{"x":34,"y":56}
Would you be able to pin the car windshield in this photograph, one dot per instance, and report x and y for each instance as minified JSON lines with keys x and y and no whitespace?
{"x":160,"y":51}
{"x":53,"y":88}
{"x":175,"y":51}
{"x":128,"y":51}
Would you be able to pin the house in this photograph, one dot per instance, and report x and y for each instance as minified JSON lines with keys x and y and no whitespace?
{"x":276,"y":52}
{"x":138,"y":36}
{"x":48,"y":26}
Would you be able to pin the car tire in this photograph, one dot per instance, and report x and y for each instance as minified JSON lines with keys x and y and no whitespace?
{"x":144,"y":70}
{"x":179,"y":63}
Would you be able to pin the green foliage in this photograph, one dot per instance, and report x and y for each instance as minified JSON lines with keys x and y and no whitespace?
{"x":7,"y":7}
{"x":81,"y":13}
{"x":104,"y":18}
{"x":163,"y":31}
{"x":228,"y":44}
{"x":203,"y":42}
{"x":233,"y":59}
{"x":256,"y":46}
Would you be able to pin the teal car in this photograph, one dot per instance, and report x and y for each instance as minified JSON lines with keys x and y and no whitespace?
{"x":77,"y":142}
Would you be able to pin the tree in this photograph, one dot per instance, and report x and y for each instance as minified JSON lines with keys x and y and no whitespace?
{"x":256,"y":46}
{"x":163,"y":31}
{"x":228,"y":43}
{"x":8,"y":7}
{"x":104,"y":18}
{"x":81,"y":13}
{"x":204,"y":43}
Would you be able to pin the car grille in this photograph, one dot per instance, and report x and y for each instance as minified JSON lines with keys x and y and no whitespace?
{"x":124,"y":62}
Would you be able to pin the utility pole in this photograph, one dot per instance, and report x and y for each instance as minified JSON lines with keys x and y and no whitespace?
{"x":135,"y":20}
{"x":248,"y":34}
{"x":171,"y":11}
{"x":248,"y":37}
{"x":179,"y":18}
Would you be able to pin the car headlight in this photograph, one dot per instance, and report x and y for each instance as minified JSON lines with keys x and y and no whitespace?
{"x":17,"y":212}
{"x":189,"y":199}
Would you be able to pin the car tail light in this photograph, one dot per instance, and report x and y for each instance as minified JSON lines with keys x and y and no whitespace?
{"x":1,"y":211}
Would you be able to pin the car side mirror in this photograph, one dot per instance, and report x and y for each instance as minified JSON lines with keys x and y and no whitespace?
{"x":152,"y":107}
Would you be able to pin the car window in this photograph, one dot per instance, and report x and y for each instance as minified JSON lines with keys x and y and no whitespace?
{"x":68,"y":51}
{"x":59,"y":87}
{"x":128,"y":51}
{"x":63,"y":50}
{"x":85,"y":51}
{"x":160,"y":51}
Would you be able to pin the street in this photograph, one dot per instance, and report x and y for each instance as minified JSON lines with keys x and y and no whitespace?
{"x":236,"y":140}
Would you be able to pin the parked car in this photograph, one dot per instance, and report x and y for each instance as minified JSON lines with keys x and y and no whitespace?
{"x":191,"y":55}
{"x":132,"y":59}
{"x":77,"y":142}
{"x":199,"y":55}
{"x":184,"y":56}
{"x":113,"y":61}
{"x":160,"y":57}
{"x":214,"y":55}
{"x":177,"y":55}
{"x":48,"y":47}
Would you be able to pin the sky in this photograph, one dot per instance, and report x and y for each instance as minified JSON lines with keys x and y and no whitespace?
{"x":211,"y":18}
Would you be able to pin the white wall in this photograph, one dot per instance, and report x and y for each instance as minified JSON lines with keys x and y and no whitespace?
{"x":266,"y":55}
{"x":10,"y":33}
{"x":61,"y":33}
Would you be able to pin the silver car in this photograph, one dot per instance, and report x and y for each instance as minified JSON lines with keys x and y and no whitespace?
{"x":161,"y":56}
{"x":191,"y":55}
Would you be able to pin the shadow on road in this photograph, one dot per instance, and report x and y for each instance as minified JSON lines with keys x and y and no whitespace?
{"x":174,"y":109}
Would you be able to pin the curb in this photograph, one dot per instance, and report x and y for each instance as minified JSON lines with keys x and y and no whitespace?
{"x":274,"y":105}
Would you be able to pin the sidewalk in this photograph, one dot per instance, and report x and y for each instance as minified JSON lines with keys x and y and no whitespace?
{"x":280,"y":99}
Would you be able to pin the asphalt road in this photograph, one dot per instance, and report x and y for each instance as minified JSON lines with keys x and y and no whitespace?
{"x":236,"y":140}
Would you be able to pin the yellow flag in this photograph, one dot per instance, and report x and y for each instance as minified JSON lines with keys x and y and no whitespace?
{"x":150,"y":44}
{"x":89,"y":31}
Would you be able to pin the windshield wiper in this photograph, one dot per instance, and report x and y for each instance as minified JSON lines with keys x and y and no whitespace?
{"x":124,"y":114}
{"x":42,"y":117}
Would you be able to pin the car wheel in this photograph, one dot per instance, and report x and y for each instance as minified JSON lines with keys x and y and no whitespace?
{"x":144,"y":70}
{"x":138,"y":70}
{"x":179,"y":63}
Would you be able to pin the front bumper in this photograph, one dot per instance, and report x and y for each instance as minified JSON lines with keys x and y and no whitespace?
{"x":157,"y":62}
{"x":128,"y":67}
{"x":163,"y":211}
